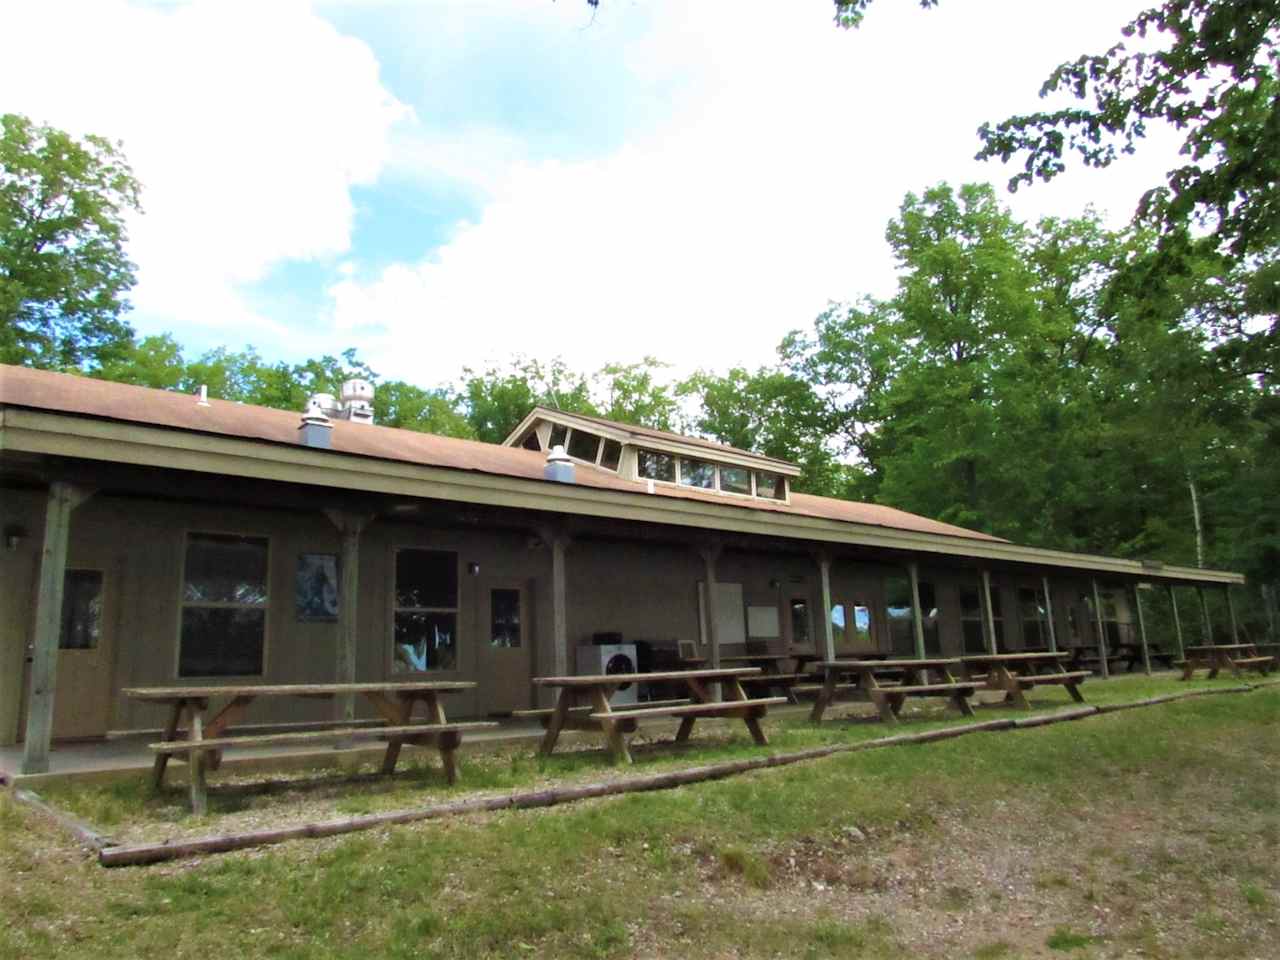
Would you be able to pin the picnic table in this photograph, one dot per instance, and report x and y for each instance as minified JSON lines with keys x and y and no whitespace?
{"x":1232,"y":656}
{"x":615,"y":721}
{"x":928,"y":677}
{"x":1015,"y":672}
{"x":206,"y":734}
{"x":771,"y":676}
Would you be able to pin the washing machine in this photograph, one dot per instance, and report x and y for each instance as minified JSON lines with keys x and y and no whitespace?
{"x":611,"y":658}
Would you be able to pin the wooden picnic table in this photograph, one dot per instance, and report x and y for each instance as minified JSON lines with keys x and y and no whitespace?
{"x":615,"y":721}
{"x":204,"y":739}
{"x":1015,"y":672}
{"x":927,"y":677}
{"x":1232,"y":656}
{"x":772,"y":675}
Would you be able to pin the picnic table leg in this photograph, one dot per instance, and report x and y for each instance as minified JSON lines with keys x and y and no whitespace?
{"x":883,"y":700}
{"x":1215,"y":665}
{"x":958,"y":700}
{"x":1013,"y":689}
{"x":556,"y":722}
{"x":170,"y":731}
{"x":751,"y":718}
{"x":397,"y":714}
{"x":825,"y":696}
{"x":617,"y":742}
{"x":446,"y":743}
{"x":224,"y":718}
{"x":686,"y":728}
{"x":195,"y":764}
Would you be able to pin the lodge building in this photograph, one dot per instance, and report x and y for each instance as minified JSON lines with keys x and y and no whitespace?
{"x":152,"y":537}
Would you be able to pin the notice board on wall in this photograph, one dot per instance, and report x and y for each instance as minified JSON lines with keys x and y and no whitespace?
{"x":729,"y":613}
{"x":763,"y":622}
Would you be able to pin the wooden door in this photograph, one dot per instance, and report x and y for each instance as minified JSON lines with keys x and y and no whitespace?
{"x":856,"y":626}
{"x":504,"y":650}
{"x":82,"y":695}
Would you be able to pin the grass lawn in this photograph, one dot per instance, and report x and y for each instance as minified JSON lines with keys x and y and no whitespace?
{"x":1150,"y":833}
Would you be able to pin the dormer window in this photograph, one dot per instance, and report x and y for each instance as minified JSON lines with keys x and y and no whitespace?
{"x":656,"y":466}
{"x":697,"y":473}
{"x":771,"y":486}
{"x":735,"y":480}
{"x":584,"y":446}
{"x":611,"y":455}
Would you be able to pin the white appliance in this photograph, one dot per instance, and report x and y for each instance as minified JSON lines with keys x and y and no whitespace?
{"x":611,"y":658}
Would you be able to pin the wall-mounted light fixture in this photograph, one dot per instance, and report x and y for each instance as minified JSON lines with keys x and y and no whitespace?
{"x":473,"y":568}
{"x":13,"y":537}
{"x":775,"y":584}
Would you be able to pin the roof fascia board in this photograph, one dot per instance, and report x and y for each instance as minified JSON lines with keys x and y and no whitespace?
{"x":64,"y":435}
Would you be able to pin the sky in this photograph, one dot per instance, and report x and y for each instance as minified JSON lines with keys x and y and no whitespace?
{"x":450,"y":183}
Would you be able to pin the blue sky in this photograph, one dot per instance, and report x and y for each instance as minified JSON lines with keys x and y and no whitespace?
{"x":449,"y":183}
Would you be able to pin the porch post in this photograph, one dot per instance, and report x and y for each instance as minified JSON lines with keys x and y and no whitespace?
{"x":988,"y":614}
{"x":917,"y":615}
{"x":710,"y":553}
{"x":1177,"y":622}
{"x":828,"y":634}
{"x":350,"y":526}
{"x":63,"y":499}
{"x":1142,"y":630}
{"x":1205,"y":623}
{"x":1102,"y":632}
{"x":1231,"y":612}
{"x":559,"y":607}
{"x":1048,"y":612}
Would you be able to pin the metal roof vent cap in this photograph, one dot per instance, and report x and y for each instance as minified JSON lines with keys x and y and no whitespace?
{"x":316,"y":426}
{"x":357,"y":401}
{"x":559,"y":467}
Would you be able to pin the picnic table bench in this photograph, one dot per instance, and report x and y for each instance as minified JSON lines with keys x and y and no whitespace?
{"x":615,"y":721}
{"x":1015,"y":672}
{"x":205,"y":737}
{"x":929,"y":677}
{"x":771,"y":676}
{"x":1232,"y":656}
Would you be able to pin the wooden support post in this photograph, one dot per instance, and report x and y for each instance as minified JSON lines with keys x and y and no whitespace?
{"x":1177,"y":623}
{"x":828,"y":634}
{"x":988,"y":614}
{"x":63,"y":499}
{"x":1231,"y":612}
{"x":1142,"y":630}
{"x":1205,"y":623}
{"x":917,"y":615}
{"x":1048,"y":612}
{"x":710,"y":553}
{"x":1101,"y":628}
{"x":559,"y":606}
{"x":350,"y":526}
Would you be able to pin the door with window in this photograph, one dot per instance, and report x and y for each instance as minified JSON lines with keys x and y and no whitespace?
{"x":505,"y":653}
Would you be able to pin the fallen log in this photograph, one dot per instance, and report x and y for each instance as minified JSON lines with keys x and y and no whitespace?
{"x":1076,"y":713}
{"x":76,"y":827}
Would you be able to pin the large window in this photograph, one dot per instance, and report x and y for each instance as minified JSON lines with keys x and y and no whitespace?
{"x":426,"y":611}
{"x":735,"y":480}
{"x":697,"y":473}
{"x":800,"y":636}
{"x":1031,"y":610}
{"x":851,"y":627}
{"x":584,"y":446}
{"x":81,"y":610}
{"x":656,"y":466}
{"x":897,"y":595}
{"x":224,"y":606}
{"x":771,"y":486}
{"x":975,"y":639}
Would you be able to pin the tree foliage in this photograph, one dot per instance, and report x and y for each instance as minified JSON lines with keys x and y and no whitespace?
{"x":63,"y":269}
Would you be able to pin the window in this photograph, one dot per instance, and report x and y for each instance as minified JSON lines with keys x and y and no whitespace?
{"x":656,"y":466}
{"x":584,"y":446}
{"x":558,"y":434}
{"x":531,"y":441}
{"x":81,"y":610}
{"x":800,"y":623}
{"x":975,"y":640}
{"x":224,"y":606}
{"x":771,"y":486}
{"x":851,"y":627}
{"x":426,"y":611}
{"x":504,"y":618}
{"x":897,"y":591}
{"x":611,"y":455}
{"x":697,"y":473}
{"x":735,"y":480}
{"x":1031,"y":612}
{"x":930,"y":614}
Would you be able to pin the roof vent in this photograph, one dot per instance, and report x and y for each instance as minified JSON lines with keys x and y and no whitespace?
{"x":559,"y":467}
{"x":316,"y":426}
{"x":357,"y":401}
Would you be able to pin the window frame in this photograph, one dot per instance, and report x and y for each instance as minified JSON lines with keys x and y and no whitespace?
{"x":187,"y":533}
{"x":390,"y":648}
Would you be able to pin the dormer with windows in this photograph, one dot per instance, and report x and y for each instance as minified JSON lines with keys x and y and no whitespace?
{"x":655,"y":456}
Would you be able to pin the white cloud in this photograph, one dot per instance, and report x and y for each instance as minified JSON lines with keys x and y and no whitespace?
{"x":247,"y":124}
{"x":789,"y":147}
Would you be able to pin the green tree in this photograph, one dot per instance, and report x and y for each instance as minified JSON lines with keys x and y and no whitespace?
{"x":631,"y":394}
{"x":155,"y":362}
{"x":400,"y":404}
{"x":63,"y":269}
{"x":497,"y":398}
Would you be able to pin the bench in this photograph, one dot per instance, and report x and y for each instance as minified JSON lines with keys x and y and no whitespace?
{"x":1013,"y":673}
{"x":408,"y":733}
{"x":908,"y":678}
{"x":579,"y":718}
{"x":1232,"y":656}
{"x":723,"y":708}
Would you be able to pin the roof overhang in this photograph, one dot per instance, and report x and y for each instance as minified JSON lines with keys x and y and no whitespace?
{"x":87,"y":438}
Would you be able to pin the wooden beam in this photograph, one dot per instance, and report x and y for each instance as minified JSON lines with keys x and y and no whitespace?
{"x":350,"y":526}
{"x":1048,"y":612}
{"x":1177,"y":622}
{"x":63,"y":499}
{"x":828,"y":634}
{"x":559,"y":543}
{"x":1102,"y":630}
{"x":1231,"y":612}
{"x":1142,"y":630}
{"x":710,"y":553}
{"x":1205,"y":624}
{"x":917,"y":615}
{"x":988,"y":614}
